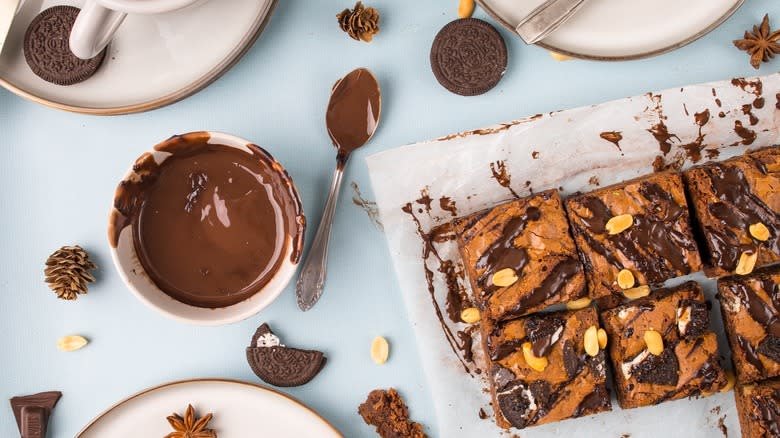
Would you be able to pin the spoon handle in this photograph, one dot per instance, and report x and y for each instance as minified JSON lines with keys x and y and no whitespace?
{"x":312,"y":278}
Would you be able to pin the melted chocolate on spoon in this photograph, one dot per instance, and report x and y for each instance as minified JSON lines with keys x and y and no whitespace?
{"x":353,"y":111}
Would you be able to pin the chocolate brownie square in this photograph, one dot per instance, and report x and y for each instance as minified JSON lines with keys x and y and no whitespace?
{"x":749,"y":305}
{"x":662,"y":348}
{"x":736,"y":204}
{"x":520,"y":257}
{"x":634,"y":234}
{"x":541,"y":370}
{"x":758,"y":407}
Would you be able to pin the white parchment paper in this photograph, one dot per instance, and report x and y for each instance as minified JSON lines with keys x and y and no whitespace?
{"x":567,"y":150}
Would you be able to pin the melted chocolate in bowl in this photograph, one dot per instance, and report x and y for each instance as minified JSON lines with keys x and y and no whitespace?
{"x":211,"y":224}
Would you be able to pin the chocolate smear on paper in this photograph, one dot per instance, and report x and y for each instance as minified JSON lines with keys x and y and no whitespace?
{"x":613,"y":137}
{"x":429,"y":251}
{"x":369,"y":207}
{"x":447,"y":204}
{"x":502,"y":176}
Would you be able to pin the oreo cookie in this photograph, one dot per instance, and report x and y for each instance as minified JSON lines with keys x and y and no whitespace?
{"x":47,"y":48}
{"x":279,"y":365}
{"x":468,"y":57}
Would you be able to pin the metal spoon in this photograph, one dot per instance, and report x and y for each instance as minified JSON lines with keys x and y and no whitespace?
{"x":352,"y":118}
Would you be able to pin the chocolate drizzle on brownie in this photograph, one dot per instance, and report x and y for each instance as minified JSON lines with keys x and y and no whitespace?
{"x":770,"y":347}
{"x":750,"y":354}
{"x":503,"y":253}
{"x":760,"y":311}
{"x":737,"y":208}
{"x":559,"y":276}
{"x":768,"y":407}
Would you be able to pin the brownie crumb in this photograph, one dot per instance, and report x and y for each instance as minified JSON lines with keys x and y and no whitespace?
{"x":387,"y":411}
{"x":722,"y":426}
{"x":625,"y":435}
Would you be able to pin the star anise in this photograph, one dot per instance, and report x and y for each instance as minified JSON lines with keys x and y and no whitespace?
{"x":762,"y":44}
{"x":190,"y":426}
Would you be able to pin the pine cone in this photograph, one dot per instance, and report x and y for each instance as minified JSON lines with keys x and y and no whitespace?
{"x":360,"y":23}
{"x":67,"y":272}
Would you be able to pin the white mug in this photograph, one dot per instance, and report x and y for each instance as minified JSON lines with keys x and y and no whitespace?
{"x":99,"y":19}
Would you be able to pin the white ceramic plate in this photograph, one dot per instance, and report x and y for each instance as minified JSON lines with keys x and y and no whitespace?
{"x":153,"y":61}
{"x":621,"y":29}
{"x":240,"y":410}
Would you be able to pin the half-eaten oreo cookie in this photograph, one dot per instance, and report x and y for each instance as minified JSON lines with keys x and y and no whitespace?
{"x":279,"y":365}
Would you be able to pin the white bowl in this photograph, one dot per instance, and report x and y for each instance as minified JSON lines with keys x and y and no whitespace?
{"x":139,"y":283}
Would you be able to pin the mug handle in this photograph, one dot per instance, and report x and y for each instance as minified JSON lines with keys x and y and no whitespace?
{"x":93,"y":30}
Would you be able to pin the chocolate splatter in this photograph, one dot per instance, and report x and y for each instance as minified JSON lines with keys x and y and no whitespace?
{"x":721,"y":114}
{"x":594,"y":181}
{"x":748,"y":135}
{"x":747,"y":109}
{"x":502,"y":176}
{"x":712,"y":153}
{"x":660,"y":164}
{"x":659,"y":130}
{"x":694,"y":148}
{"x":757,"y":87}
{"x":777,"y":104}
{"x":685,"y":108}
{"x":369,"y":207}
{"x":718,"y":102}
{"x":535,"y":155}
{"x":482,"y":414}
{"x":487,"y":131}
{"x":429,"y":250}
{"x":425,"y":199}
{"x":759,"y":103}
{"x":715,"y":410}
{"x":613,"y":137}
{"x":722,"y":426}
{"x":457,"y":299}
{"x":447,"y":204}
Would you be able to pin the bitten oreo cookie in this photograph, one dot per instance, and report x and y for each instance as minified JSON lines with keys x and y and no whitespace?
{"x":279,"y":365}
{"x":468,"y":57}
{"x":47,"y":48}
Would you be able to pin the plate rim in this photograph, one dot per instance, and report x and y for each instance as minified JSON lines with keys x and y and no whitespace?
{"x":738,"y":4}
{"x":206,"y":380}
{"x":222,"y":67}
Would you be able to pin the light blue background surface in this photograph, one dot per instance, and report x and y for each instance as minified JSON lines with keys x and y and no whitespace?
{"x":58,"y":173}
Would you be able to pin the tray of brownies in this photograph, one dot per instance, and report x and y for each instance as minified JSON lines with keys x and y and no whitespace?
{"x":547,"y":284}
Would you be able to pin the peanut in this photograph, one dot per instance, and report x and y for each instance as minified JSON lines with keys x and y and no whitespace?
{"x":591,"y":341}
{"x":637,"y":292}
{"x":505,"y":277}
{"x":746,"y":263}
{"x":759,"y":231}
{"x":560,"y":57}
{"x":71,"y":343}
{"x":619,"y":223}
{"x":578,"y":304}
{"x":625,"y":279}
{"x":602,"y":335}
{"x":379,"y":350}
{"x":654,"y":342}
{"x":465,"y":8}
{"x":470,"y":315}
{"x":537,"y":363}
